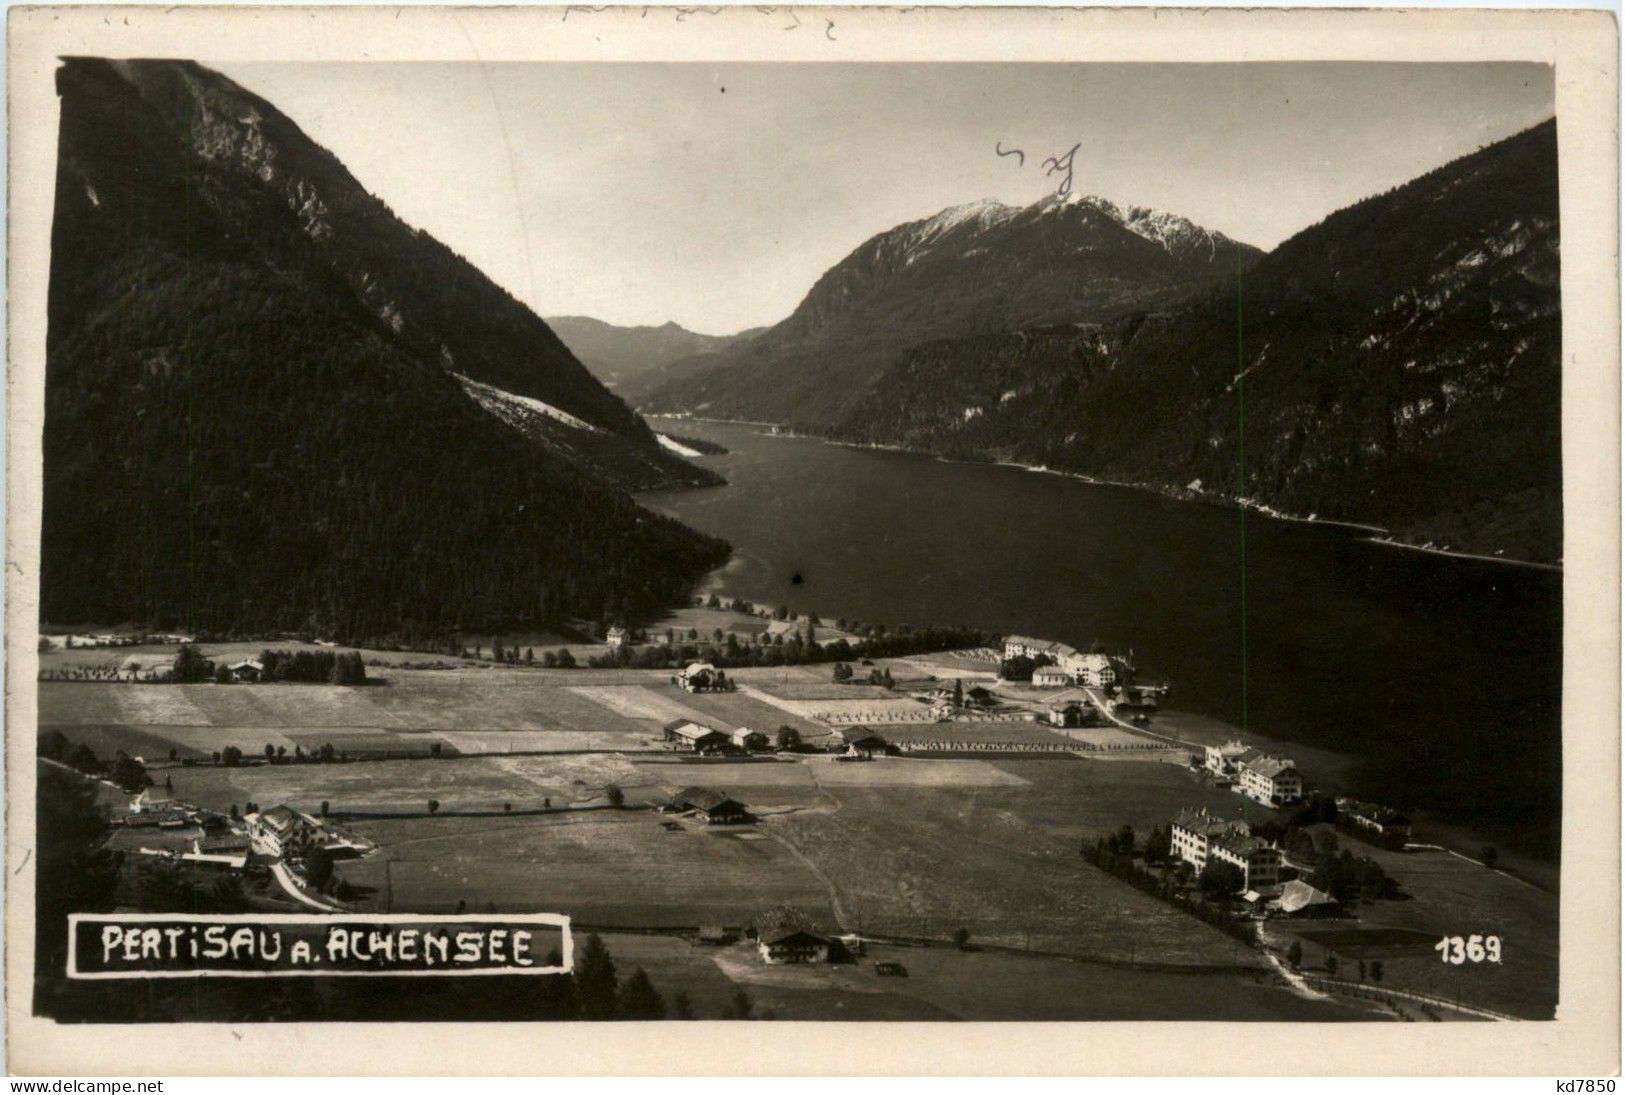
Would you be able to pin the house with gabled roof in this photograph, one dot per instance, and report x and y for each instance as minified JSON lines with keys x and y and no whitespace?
{"x":1269,"y":780}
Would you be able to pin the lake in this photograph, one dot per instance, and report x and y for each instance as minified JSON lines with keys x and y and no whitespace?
{"x":1439,"y":677}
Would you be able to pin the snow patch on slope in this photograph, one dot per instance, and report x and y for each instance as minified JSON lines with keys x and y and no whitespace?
{"x":509,"y":407}
{"x":672,"y":446}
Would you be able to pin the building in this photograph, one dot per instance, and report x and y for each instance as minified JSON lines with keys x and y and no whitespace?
{"x":248,"y":670}
{"x":1258,"y":861}
{"x":1070,"y":711}
{"x":615,"y":636}
{"x":1298,"y":898}
{"x":747,"y":740}
{"x":1222,"y":760}
{"x":1383,"y":821}
{"x":1051,"y":676}
{"x":696,"y":737}
{"x":860,"y":741}
{"x":700,"y":677}
{"x":1192,"y":833}
{"x":714,"y":807}
{"x":1270,"y":780}
{"x":1135,"y":698}
{"x":280,"y":831}
{"x":1025,"y":646}
{"x":782,"y":946}
{"x":1095,"y":670}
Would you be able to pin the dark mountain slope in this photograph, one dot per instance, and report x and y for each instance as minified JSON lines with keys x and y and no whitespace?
{"x":235,"y":440}
{"x":969,"y":270}
{"x":632,"y":359}
{"x":1398,"y":363}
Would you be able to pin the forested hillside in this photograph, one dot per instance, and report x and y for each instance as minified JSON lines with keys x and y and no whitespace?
{"x":238,"y":439}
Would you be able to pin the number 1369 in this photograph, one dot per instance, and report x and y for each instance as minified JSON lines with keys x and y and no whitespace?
{"x":1457,"y":949}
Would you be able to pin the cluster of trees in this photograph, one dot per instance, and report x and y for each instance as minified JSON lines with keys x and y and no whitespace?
{"x":313,"y":666}
{"x":126,"y":772}
{"x":732,"y":652}
{"x":1114,"y":854}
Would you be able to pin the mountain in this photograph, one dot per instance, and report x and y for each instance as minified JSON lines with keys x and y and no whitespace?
{"x":969,"y":270}
{"x":1397,"y":364}
{"x":631,"y":359}
{"x":272,"y":405}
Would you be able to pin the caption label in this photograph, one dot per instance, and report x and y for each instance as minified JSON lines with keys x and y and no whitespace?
{"x":132,"y":945}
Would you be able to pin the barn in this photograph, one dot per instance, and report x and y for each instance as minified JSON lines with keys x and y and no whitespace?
{"x":714,"y":807}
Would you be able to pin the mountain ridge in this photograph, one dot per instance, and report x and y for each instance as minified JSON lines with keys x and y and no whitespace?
{"x":241,"y":436}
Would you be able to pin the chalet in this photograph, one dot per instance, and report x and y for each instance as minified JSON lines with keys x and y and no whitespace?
{"x":747,"y":740}
{"x":1133,"y":698}
{"x":1070,"y":713}
{"x":695,"y":737}
{"x":1270,"y":780}
{"x":782,"y":946}
{"x":860,"y":741}
{"x":1192,"y":833}
{"x":714,"y":807}
{"x":248,"y":670}
{"x":1258,"y":861}
{"x":615,"y":636}
{"x":1051,"y":676}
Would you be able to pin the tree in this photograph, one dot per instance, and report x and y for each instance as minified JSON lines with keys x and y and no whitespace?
{"x":324,"y":807}
{"x":595,"y":980}
{"x":1220,"y":879}
{"x":959,"y":692}
{"x":614,"y":794}
{"x":681,"y":1006}
{"x":74,"y":871}
{"x":789,"y":738}
{"x":1489,"y":856}
{"x":222,"y":675}
{"x":740,"y":1006}
{"x":231,"y":756}
{"x":1158,"y":844}
{"x":638,"y":998}
{"x":841,"y":672}
{"x":83,"y":759}
{"x":962,"y":938}
{"x":1331,"y":964}
{"x":191,"y":666}
{"x":1294,"y":954}
{"x":434,"y":805}
{"x":270,"y":751}
{"x":434,"y":749}
{"x":129,"y":774}
{"x":318,"y":867}
{"x":566,"y":660}
{"x":1376,"y":970}
{"x":54,"y":745}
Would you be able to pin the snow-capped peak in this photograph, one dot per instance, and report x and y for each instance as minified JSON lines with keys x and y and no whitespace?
{"x":1168,"y":230}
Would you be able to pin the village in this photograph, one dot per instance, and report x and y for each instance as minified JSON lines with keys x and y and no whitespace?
{"x":705,"y":814}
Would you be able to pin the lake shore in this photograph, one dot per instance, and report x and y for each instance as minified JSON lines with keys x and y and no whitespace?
{"x":1380,"y":534}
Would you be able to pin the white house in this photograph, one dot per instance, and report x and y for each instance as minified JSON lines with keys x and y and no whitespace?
{"x":615,"y":636}
{"x":1192,"y":833}
{"x":1051,"y":676}
{"x":1222,"y":760}
{"x":1258,"y":862}
{"x":1269,"y":780}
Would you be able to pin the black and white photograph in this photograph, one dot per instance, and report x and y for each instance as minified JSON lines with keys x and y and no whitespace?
{"x":875,"y":541}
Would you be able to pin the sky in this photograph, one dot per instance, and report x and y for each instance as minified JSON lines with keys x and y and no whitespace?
{"x":715,"y":195}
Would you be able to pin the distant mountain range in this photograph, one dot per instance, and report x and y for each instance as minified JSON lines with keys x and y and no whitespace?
{"x":629,"y":359}
{"x":272,"y":404}
{"x":1397,"y":364}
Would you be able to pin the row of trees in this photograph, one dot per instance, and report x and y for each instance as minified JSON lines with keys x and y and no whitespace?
{"x":129,"y":774}
{"x":1114,"y":854}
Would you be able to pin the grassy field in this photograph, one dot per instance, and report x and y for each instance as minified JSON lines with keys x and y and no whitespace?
{"x":944,"y":983}
{"x":1448,"y":895}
